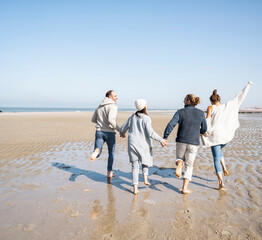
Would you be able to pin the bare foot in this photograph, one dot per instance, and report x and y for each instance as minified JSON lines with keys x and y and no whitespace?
{"x":179,"y":169}
{"x":222,"y":160}
{"x":109,"y":180}
{"x":186,"y":191}
{"x":221,"y":185}
{"x":110,"y":175}
{"x":136,"y":190}
{"x":94,"y":155}
{"x":146,"y":181}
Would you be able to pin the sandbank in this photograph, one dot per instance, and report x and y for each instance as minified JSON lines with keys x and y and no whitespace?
{"x":51,"y":190}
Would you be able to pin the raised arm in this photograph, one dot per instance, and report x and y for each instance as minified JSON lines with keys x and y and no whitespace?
{"x":240,"y":97}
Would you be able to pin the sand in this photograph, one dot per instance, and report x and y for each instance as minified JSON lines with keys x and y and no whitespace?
{"x":51,"y":190}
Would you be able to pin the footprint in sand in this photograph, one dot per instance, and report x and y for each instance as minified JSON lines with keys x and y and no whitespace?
{"x":259,"y":169}
{"x":249,"y":168}
{"x":29,"y":228}
{"x":253,"y":195}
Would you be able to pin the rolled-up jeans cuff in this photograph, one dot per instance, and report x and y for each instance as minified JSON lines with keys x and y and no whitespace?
{"x":188,"y":178}
{"x":145,"y":169}
{"x":178,"y":159}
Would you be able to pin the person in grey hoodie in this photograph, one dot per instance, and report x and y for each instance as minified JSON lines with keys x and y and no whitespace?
{"x":105,"y":119}
{"x":140,"y":133}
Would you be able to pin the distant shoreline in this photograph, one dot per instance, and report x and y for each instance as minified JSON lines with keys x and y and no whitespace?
{"x":86,"y":110}
{"x":244,"y":110}
{"x":251,"y":110}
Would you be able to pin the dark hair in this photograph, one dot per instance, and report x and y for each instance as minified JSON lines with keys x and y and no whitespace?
{"x":108,"y":93}
{"x":215,"y":97}
{"x":141,"y":111}
{"x":193,"y":99}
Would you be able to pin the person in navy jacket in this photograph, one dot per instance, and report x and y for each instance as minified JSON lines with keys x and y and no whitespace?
{"x":191,"y":123}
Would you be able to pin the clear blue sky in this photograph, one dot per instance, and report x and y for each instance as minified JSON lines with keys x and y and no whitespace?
{"x":69,"y":53}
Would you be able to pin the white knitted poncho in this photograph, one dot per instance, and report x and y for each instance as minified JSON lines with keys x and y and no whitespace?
{"x":222,"y":125}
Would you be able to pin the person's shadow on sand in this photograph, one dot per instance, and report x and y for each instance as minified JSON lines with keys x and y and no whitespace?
{"x":117,"y":181}
{"x":95,"y":176}
{"x":170,"y":173}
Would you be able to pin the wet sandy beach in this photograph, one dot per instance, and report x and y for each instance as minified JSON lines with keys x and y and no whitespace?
{"x":51,"y":190}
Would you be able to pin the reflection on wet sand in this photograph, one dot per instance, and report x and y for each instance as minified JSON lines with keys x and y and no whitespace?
{"x":105,"y":219}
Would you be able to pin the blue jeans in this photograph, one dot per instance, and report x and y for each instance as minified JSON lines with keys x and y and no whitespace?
{"x":217,"y":155}
{"x":110,"y":139}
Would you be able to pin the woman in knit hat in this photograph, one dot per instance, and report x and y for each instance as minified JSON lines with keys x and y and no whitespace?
{"x":140,"y":133}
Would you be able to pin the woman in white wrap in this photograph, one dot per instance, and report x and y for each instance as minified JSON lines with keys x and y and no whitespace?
{"x":222,"y":122}
{"x":140,"y":133}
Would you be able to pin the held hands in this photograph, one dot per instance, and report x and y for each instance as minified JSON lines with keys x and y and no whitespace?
{"x":164,"y":143}
{"x":122,"y":135}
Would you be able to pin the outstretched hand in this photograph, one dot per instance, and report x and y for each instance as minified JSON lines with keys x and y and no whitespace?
{"x":164,"y":143}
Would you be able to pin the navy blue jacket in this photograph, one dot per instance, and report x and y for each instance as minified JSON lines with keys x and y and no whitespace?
{"x":191,"y":122}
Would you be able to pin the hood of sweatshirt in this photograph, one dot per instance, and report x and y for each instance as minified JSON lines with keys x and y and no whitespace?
{"x":107,"y":101}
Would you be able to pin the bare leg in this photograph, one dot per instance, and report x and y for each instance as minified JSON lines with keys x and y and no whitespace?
{"x":185,"y":185}
{"x":224,"y":166}
{"x":135,"y":189}
{"x":179,"y":168}
{"x":94,"y":155}
{"x":145,"y":174}
{"x":220,"y":181}
{"x":110,"y":174}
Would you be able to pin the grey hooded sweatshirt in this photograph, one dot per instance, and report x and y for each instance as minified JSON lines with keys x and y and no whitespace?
{"x":105,"y":116}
